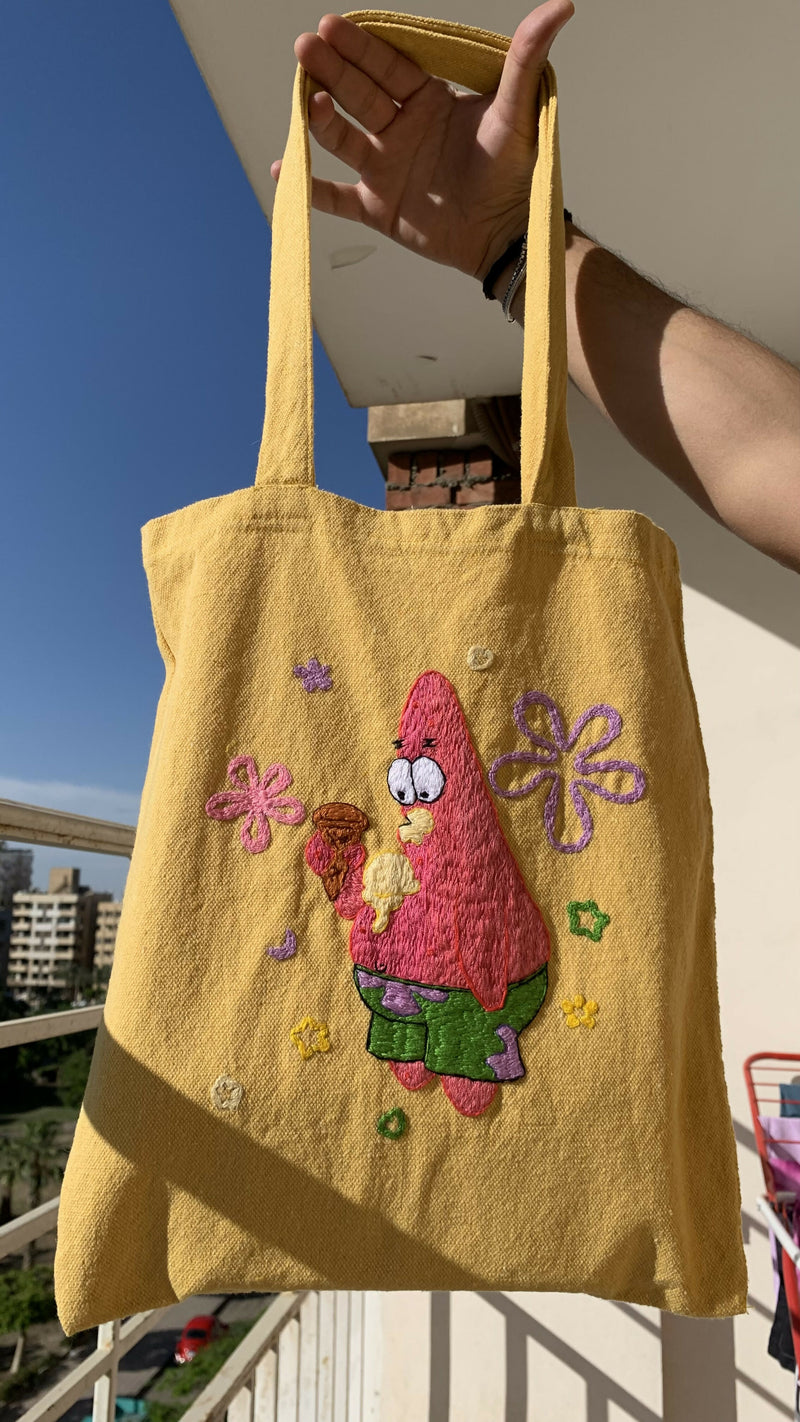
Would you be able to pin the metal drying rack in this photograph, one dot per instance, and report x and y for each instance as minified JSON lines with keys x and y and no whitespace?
{"x":780,"y":1207}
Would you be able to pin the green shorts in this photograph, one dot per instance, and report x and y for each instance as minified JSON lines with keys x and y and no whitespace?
{"x":446,"y":1028}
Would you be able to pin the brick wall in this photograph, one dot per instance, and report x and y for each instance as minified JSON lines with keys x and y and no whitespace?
{"x":435,"y":478}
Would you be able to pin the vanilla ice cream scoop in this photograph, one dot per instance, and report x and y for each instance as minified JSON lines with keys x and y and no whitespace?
{"x":415,"y":826}
{"x":388,"y":877}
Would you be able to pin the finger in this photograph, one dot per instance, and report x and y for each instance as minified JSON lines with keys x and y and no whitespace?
{"x":333,"y":133}
{"x":340,"y":199}
{"x":357,"y":94}
{"x":398,"y":76}
{"x":515,"y":100}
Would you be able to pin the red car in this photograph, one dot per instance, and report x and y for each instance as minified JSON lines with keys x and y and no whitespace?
{"x":197,"y":1334}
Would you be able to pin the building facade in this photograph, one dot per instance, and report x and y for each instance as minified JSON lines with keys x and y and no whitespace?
{"x":52,"y":936}
{"x":105,"y":934}
{"x":16,"y":867}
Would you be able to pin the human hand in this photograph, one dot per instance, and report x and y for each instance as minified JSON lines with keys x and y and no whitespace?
{"x":447,"y":175}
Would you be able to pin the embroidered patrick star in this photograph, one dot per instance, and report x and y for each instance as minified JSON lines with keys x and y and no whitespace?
{"x":450,"y":950}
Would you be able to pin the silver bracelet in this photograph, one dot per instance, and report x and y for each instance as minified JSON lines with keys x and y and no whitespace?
{"x":513,"y":286}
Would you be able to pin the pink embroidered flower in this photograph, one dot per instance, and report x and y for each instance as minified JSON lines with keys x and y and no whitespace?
{"x":582,"y":773}
{"x":259,"y":799}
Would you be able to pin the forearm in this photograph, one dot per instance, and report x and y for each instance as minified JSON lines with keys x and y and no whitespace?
{"x":713,"y":410}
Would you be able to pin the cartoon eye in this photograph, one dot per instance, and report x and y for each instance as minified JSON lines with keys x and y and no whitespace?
{"x":401,"y":786}
{"x":428,"y":779}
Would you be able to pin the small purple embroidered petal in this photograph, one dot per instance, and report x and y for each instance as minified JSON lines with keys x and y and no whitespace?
{"x":243,"y":762}
{"x":507,"y":1065}
{"x":287,"y":948}
{"x":627,"y":767}
{"x":254,"y":844}
{"x":540,"y":698}
{"x":228,"y":804}
{"x":431,"y":994}
{"x":584,"y":815}
{"x":613,"y":728}
{"x":523,"y":757}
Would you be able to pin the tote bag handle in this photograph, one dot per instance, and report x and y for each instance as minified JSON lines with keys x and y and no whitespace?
{"x":473,"y":58}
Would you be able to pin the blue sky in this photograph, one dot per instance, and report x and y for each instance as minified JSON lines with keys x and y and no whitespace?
{"x":134,"y":265}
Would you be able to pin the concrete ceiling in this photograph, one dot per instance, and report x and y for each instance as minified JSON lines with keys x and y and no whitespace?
{"x":679,"y":128}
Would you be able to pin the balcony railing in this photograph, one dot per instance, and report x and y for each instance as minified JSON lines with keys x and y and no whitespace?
{"x":285,"y":1369}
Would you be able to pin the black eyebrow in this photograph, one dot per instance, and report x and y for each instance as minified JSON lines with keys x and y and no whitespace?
{"x":397,"y":744}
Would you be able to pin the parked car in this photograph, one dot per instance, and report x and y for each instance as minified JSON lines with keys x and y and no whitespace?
{"x":126,"y":1407}
{"x":198,"y":1333}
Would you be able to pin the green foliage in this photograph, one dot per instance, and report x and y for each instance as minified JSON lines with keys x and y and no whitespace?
{"x":41,"y":1059}
{"x":72,"y":1076}
{"x":26,"y":1297}
{"x":192,"y":1376}
{"x":40,"y":1155}
{"x":28,"y":1072}
{"x":19,"y":1384}
{"x":164,"y":1411}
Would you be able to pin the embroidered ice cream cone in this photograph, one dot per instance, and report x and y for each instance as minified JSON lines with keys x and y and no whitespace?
{"x":339,"y":827}
{"x":388,"y":878}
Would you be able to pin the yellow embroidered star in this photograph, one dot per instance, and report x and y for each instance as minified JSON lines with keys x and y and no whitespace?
{"x":310,"y":1036}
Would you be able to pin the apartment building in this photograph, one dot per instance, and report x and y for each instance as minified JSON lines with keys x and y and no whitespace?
{"x":52,"y":934}
{"x":105,"y":934}
{"x":16,"y":867}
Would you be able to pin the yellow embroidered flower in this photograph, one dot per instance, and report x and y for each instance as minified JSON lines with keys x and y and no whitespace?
{"x":226,"y":1093}
{"x":580,"y":1012}
{"x":310,"y":1036}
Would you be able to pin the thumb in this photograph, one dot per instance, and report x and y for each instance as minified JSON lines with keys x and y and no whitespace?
{"x":517,"y":92}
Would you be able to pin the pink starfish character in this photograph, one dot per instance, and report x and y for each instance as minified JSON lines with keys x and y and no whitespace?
{"x":450,"y":951}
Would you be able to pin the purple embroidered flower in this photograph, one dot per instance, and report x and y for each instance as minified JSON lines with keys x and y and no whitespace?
{"x":582,"y":773}
{"x":259,"y":799}
{"x":315,"y":677}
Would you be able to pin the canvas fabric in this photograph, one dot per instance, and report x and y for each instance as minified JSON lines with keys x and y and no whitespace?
{"x":531,"y":661}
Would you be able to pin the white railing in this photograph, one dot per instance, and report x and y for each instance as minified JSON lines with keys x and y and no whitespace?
{"x":312,"y":1357}
{"x":300,"y":1362}
{"x":49,"y":1024}
{"x":30,"y":824}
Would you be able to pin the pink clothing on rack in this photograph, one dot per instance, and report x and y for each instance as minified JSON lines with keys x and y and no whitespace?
{"x":782,"y":1134}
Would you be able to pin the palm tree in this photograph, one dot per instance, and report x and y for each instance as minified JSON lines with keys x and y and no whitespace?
{"x":10,"y":1170}
{"x":41,"y":1159}
{"x":34,"y":1156}
{"x":26,"y":1297}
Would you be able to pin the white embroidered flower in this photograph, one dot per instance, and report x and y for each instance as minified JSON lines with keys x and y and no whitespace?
{"x":226,"y":1093}
{"x":479,"y":658}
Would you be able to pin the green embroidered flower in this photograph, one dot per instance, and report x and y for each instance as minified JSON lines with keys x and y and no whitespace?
{"x":583,"y":930}
{"x":392,"y":1124}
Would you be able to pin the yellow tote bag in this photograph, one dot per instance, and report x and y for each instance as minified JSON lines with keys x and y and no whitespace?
{"x":415,"y":983}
